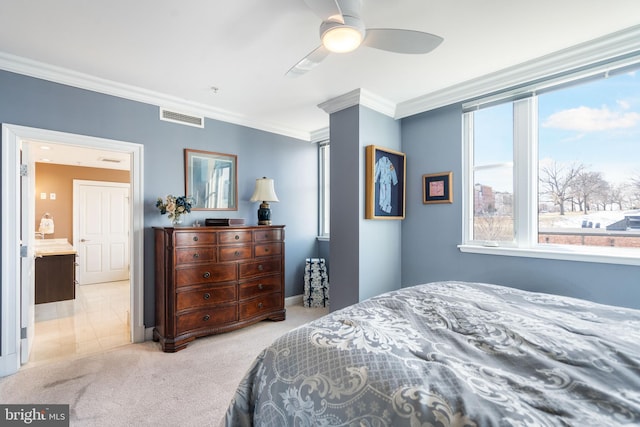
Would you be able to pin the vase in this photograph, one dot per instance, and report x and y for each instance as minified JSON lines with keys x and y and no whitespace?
{"x":176,"y":220}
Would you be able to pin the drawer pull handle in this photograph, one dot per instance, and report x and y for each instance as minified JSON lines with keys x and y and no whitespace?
{"x":206,"y":317}
{"x":260,"y":267}
{"x":259,"y":305}
{"x":207,"y":295}
{"x":196,"y":255}
{"x":195,"y":238}
{"x":260,"y":286}
{"x":237,"y":253}
{"x":266,"y":249}
{"x":206,"y":275}
{"x":237,"y":237}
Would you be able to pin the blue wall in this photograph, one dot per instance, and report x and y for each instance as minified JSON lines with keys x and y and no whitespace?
{"x":380,"y":239}
{"x":292,"y":163}
{"x":345,"y":213}
{"x":432,"y":142}
{"x":365,"y":255}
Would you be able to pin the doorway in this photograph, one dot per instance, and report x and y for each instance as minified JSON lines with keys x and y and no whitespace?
{"x":97,"y":317}
{"x":15,"y":332}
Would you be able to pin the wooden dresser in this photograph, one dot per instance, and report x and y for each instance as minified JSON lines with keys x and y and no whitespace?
{"x":210,"y":280}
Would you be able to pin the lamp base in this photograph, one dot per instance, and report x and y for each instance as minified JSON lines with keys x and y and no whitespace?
{"x":264,"y":214}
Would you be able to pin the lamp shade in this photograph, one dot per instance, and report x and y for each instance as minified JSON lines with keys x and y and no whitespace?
{"x":264,"y":191}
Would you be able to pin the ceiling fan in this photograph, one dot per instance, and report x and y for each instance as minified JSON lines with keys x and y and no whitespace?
{"x":343,"y":31}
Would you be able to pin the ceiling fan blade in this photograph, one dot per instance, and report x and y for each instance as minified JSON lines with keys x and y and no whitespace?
{"x":308,"y":62}
{"x":401,"y":41}
{"x":326,"y":9}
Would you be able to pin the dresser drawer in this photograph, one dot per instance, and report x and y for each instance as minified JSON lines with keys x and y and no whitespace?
{"x":209,"y":273}
{"x":203,"y":297}
{"x":263,"y":304}
{"x":195,"y":254}
{"x":261,"y":286}
{"x":234,"y":253}
{"x":191,"y":238}
{"x":268,"y":249}
{"x":234,"y":236}
{"x":268,"y":235}
{"x":257,"y":268}
{"x":206,"y":318}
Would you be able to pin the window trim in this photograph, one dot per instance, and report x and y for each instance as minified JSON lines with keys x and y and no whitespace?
{"x":525,"y":175}
{"x":323,"y":192}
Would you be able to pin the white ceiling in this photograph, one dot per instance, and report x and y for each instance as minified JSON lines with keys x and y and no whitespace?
{"x":57,"y":153}
{"x":177,"y":51}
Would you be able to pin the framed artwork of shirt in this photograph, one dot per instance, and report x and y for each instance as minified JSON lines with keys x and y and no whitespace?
{"x":437,"y":188}
{"x":385,"y":183}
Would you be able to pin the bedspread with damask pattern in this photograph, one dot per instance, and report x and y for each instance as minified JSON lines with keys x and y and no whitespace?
{"x":450,"y":354}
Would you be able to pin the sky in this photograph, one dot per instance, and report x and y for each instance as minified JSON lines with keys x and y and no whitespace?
{"x":595,"y":123}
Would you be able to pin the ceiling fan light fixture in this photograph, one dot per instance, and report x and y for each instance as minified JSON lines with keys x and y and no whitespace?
{"x":341,"y":37}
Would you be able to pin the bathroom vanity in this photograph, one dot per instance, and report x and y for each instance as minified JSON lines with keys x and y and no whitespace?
{"x":55,"y":270}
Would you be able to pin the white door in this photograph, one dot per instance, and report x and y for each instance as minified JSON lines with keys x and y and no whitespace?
{"x":101,"y":236}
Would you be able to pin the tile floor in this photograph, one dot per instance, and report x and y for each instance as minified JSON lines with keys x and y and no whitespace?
{"x":97,"y":320}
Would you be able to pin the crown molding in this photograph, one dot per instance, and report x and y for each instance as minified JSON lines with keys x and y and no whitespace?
{"x":359,"y":97}
{"x":623,"y":42}
{"x":611,"y":46}
{"x":341,"y":102}
{"x":320,"y":135}
{"x":28,"y":67}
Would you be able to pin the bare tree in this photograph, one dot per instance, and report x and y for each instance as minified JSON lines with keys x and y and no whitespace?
{"x":616,"y":195}
{"x":586,"y":186}
{"x":635,"y":181}
{"x":557,"y":181}
{"x":633,"y":191}
{"x":601,"y":195}
{"x":493,"y":227}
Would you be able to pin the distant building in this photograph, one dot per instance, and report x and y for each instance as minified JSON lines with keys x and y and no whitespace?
{"x":487,"y":201}
{"x":484,"y":200}
{"x":631,"y":221}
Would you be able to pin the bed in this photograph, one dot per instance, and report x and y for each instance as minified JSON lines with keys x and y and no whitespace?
{"x":450,"y":354}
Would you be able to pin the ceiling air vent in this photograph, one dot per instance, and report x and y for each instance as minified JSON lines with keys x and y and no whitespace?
{"x":185,"y":119}
{"x":109,"y":160}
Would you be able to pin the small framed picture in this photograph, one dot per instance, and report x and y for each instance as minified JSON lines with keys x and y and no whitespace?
{"x":437,"y":188}
{"x":385,"y":183}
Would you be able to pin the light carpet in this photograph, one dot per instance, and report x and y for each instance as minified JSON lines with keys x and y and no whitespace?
{"x":139,"y":385}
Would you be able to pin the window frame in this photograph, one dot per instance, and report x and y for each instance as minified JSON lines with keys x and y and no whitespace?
{"x":323,"y":190}
{"x":525,"y":174}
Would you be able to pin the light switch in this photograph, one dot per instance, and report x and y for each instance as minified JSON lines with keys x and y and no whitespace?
{"x":52,"y":196}
{"x":43,"y":196}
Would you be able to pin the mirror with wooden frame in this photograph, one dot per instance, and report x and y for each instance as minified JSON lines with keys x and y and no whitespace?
{"x":211,"y":180}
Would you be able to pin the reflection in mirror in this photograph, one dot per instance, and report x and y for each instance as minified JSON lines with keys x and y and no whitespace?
{"x":211,"y":180}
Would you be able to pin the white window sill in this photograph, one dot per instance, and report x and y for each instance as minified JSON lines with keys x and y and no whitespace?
{"x":567,"y":253}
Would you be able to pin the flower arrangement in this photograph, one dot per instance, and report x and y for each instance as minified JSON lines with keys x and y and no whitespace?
{"x":175,"y":207}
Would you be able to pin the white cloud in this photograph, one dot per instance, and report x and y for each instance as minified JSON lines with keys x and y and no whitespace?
{"x":573,"y":138}
{"x":625,"y":105}
{"x":585,"y":119}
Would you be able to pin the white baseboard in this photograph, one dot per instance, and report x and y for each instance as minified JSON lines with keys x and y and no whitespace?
{"x":294,"y":300}
{"x":148,"y":334}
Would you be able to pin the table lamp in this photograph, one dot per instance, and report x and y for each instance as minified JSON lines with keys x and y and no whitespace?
{"x":266,"y":193}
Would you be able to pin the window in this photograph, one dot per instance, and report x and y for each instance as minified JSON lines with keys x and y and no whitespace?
{"x":323,"y":154}
{"x":553,"y":170}
{"x":493,"y":174}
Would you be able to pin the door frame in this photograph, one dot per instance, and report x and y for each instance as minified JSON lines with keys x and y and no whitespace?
{"x":12,"y":137}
